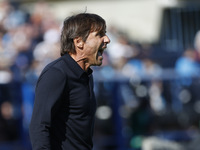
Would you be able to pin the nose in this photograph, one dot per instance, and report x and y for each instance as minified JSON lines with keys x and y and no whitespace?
{"x":106,"y":39}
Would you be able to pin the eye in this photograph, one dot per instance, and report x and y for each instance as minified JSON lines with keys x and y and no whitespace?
{"x":101,"y":33}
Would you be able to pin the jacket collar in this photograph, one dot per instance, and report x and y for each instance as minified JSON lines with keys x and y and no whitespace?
{"x":75,"y":67}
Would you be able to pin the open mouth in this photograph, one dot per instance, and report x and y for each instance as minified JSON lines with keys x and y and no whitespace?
{"x":100,"y":52}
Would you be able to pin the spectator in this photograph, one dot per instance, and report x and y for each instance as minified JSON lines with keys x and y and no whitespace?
{"x":186,"y":65}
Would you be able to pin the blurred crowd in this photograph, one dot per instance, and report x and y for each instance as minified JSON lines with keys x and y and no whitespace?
{"x":30,"y":40}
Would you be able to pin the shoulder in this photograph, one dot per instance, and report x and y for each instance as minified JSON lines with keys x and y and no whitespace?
{"x":59,"y":64}
{"x":55,"y":69}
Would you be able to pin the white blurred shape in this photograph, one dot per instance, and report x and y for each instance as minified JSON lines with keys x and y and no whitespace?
{"x":185,"y":96}
{"x":103,"y":112}
{"x":5,"y":77}
{"x":141,"y":91}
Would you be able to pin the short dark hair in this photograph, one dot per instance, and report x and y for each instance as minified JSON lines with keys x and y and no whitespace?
{"x":80,"y":25}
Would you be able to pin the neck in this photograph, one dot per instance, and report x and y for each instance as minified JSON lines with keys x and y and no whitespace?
{"x":81,"y":62}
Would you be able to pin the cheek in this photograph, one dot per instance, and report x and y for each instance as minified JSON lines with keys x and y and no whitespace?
{"x":94,"y":50}
{"x":91,"y":52}
{"x":93,"y":47}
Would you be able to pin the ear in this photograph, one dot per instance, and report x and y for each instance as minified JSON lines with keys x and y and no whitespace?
{"x":78,"y":42}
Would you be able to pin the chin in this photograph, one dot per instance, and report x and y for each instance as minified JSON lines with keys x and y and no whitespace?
{"x":99,"y":64}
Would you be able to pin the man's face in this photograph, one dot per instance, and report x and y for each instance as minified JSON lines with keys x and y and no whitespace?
{"x":94,"y":47}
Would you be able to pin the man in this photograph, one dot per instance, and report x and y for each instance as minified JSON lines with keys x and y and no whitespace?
{"x":64,"y":108}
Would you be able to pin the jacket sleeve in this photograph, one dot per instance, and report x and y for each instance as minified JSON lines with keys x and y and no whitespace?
{"x":48,"y":95}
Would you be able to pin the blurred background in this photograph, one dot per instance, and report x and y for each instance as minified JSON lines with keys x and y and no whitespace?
{"x":148,"y":88}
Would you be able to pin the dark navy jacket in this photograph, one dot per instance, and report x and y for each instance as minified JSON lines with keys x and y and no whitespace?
{"x":64,"y":107}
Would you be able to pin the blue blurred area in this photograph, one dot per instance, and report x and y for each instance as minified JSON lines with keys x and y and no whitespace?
{"x":147,"y":94}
